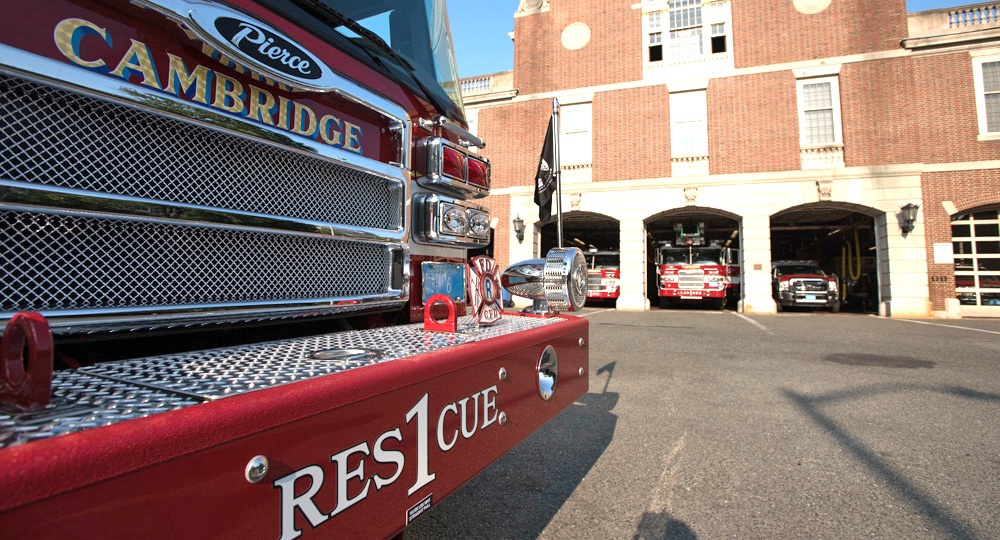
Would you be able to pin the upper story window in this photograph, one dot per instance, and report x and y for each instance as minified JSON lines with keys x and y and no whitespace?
{"x":819,"y":112}
{"x":991,"y":95}
{"x":686,"y":28}
{"x":655,"y":47}
{"x":821,"y":136}
{"x":986,"y":79}
{"x":575,"y":140}
{"x":719,"y":38}
{"x":688,"y":124}
{"x":655,"y":36}
{"x":695,"y":33}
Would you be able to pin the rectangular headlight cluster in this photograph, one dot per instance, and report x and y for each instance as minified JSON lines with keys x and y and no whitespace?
{"x":439,"y":219}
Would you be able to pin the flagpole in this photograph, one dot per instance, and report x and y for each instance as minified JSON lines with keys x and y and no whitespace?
{"x":556,"y":170}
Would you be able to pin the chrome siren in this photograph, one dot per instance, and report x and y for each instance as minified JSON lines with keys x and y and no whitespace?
{"x":556,"y":283}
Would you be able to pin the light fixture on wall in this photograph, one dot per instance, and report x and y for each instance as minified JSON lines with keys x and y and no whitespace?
{"x":908,"y":216}
{"x":519,"y":228}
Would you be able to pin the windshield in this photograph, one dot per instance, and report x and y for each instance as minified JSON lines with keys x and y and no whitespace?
{"x":607,"y":262}
{"x":408,"y":38}
{"x":789,"y":269}
{"x":416,"y":31}
{"x":691,"y":256}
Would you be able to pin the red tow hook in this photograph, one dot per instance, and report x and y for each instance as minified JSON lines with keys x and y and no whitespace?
{"x":26,"y":360}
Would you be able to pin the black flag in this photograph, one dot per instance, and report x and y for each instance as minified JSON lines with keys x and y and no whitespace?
{"x":545,"y":179}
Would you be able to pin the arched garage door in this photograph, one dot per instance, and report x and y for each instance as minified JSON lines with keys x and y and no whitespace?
{"x":668,"y":257}
{"x":841,"y":238}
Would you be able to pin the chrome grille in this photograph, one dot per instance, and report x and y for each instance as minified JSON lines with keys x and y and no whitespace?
{"x":63,"y":263}
{"x":691,"y":279}
{"x":56,"y":138}
{"x":95,"y":195}
{"x":809,"y":285}
{"x":594,"y":282}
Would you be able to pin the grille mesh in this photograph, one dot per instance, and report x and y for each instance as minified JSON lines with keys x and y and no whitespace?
{"x":72,"y":264}
{"x":53,"y":137}
{"x":56,"y":263}
{"x":809,"y":285}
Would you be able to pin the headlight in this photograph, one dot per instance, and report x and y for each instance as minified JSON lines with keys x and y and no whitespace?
{"x":556,"y":283}
{"x":831,"y":286}
{"x":453,"y":219}
{"x":782,"y":285}
{"x":442,"y":220}
{"x":479,"y":224}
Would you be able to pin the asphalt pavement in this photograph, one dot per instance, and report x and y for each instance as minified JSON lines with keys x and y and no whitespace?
{"x":712,"y":425}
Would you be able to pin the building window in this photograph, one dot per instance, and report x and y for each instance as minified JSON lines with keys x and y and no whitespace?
{"x":718,"y":38}
{"x":986,"y":79}
{"x":653,"y":20}
{"x":819,"y":112}
{"x":688,"y":124}
{"x":976,"y":243}
{"x":991,"y":95}
{"x":575,"y":141}
{"x":690,"y":32}
{"x":655,"y":47}
{"x":688,"y":133}
{"x":685,"y":28}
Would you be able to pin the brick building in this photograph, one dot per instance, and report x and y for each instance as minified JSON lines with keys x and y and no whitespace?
{"x":793,"y":129}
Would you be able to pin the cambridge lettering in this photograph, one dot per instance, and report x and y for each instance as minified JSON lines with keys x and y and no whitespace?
{"x":473,"y":413}
{"x":209,"y":87}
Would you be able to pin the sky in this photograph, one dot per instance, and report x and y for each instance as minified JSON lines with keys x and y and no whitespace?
{"x":479,"y":29}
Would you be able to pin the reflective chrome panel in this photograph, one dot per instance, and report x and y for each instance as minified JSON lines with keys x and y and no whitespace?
{"x":125,"y":208}
{"x":443,"y":220}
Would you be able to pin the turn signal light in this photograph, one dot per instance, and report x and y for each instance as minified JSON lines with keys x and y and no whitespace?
{"x":452,"y":163}
{"x":479,"y":173}
{"x":446,"y":167}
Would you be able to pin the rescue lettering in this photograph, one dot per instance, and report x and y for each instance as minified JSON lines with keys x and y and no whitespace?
{"x":208,"y":87}
{"x":353,"y":468}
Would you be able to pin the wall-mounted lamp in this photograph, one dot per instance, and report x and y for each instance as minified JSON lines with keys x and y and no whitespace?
{"x":519,"y":228}
{"x":908,"y":216}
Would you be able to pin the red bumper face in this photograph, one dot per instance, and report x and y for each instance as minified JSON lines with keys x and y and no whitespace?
{"x":693,"y":293}
{"x":357,"y":453}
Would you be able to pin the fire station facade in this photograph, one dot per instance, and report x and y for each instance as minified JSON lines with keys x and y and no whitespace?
{"x":805,"y":126}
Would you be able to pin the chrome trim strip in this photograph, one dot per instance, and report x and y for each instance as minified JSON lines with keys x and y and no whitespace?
{"x":463,"y":134}
{"x":23,"y":196}
{"x":196,"y":314}
{"x":42,"y":70}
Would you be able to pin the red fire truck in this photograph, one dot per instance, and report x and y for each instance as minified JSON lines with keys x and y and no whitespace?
{"x":603,"y":274}
{"x":688,"y":270}
{"x":222,"y":226}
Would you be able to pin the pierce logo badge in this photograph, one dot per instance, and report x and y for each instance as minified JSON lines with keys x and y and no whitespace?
{"x":269,"y":48}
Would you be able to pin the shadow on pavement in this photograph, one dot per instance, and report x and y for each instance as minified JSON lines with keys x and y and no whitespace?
{"x":936,"y":512}
{"x":660,"y":526}
{"x":518,"y":496}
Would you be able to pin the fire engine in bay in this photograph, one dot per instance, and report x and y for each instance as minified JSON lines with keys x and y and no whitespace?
{"x":603,"y":274}
{"x":235,"y":293}
{"x":688,"y":270}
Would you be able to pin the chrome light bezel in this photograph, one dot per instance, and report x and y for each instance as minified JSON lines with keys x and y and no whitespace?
{"x":442,"y":220}
{"x":429,"y":165}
